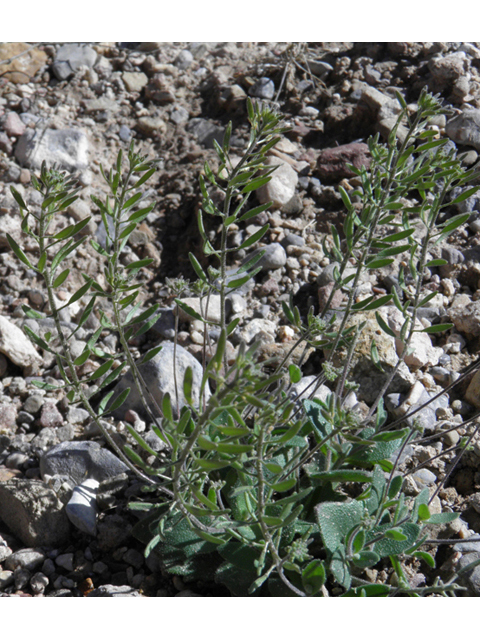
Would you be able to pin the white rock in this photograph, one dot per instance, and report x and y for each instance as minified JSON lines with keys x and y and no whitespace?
{"x":82,"y":507}
{"x":11,"y":225}
{"x":256,"y":326}
{"x":424,"y":353}
{"x":281,"y":187}
{"x":65,"y":147}
{"x":211,"y":313}
{"x":16,"y":346}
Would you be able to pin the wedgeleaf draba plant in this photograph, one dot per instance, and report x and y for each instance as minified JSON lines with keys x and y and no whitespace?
{"x":257,"y":491}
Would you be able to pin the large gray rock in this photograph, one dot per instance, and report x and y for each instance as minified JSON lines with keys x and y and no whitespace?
{"x":80,"y":461}
{"x":32,"y":511}
{"x":67,"y":148}
{"x":71,"y":57}
{"x":158,"y":374}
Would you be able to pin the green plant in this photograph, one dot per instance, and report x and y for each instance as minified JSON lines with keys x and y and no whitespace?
{"x":263,"y":492}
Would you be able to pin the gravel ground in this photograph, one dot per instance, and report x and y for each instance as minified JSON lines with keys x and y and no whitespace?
{"x":78,"y":104}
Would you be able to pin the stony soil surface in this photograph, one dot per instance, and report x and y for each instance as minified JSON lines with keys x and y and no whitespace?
{"x":78,"y":105}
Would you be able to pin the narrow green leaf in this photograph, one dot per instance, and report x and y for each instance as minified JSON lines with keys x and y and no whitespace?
{"x":437,"y":328}
{"x":436,"y":263}
{"x":188,"y":309}
{"x":151,"y":354}
{"x":256,"y":184}
{"x":255,"y":237}
{"x":454,"y":223}
{"x":30,"y":313}
{"x":255,"y":211}
{"x":82,"y":358}
{"x":18,"y":252}
{"x":377,"y":263}
{"x":466,"y":194}
{"x":79,"y":293}
{"x":60,"y":279}
{"x":284,"y":485}
{"x":211,"y":465}
{"x":141,"y":214}
{"x":131,"y":201}
{"x":384,"y":326}
{"x":18,"y":198}
{"x":103,"y":368}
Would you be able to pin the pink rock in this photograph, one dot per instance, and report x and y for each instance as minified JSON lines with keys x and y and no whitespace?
{"x":332,"y":163}
{"x":13,"y":125}
{"x":50,"y":416}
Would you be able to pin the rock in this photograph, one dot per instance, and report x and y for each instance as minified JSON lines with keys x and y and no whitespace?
{"x":306,"y":386}
{"x":28,"y":559}
{"x":159,"y":373}
{"x":470,"y":579}
{"x":165,"y":325}
{"x":210,"y":313}
{"x":427,"y":418}
{"x":113,"y":531}
{"x":151,"y":126}
{"x":8,"y":416}
{"x":363,"y":371}
{"x":16,"y":346}
{"x":206,"y":132}
{"x":281,"y":188}
{"x":183,"y":60}
{"x":134,"y":80}
{"x":446,"y":69}
{"x":424,"y":478}
{"x":114,"y":591}
{"x":274,"y":257}
{"x":179,"y":115}
{"x":50,"y":416}
{"x":465,"y":128}
{"x":13,"y":125}
{"x":320,"y":68}
{"x":125,"y":133}
{"x":233,"y":98}
{"x":39,"y":582}
{"x":465,"y":315}
{"x":81,"y":210}
{"x":255,"y":327}
{"x":81,"y":509}
{"x":5,"y":143}
{"x":423,"y":352}
{"x":332,"y":163}
{"x":263,"y":88}
{"x":24,"y":67}
{"x":472,"y":395}
{"x":10,"y":224}
{"x":98,"y":105}
{"x":374,"y":98}
{"x":67,"y":148}
{"x":70,"y":57}
{"x":79,"y":461}
{"x":33,"y":513}
{"x":6,"y":579}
